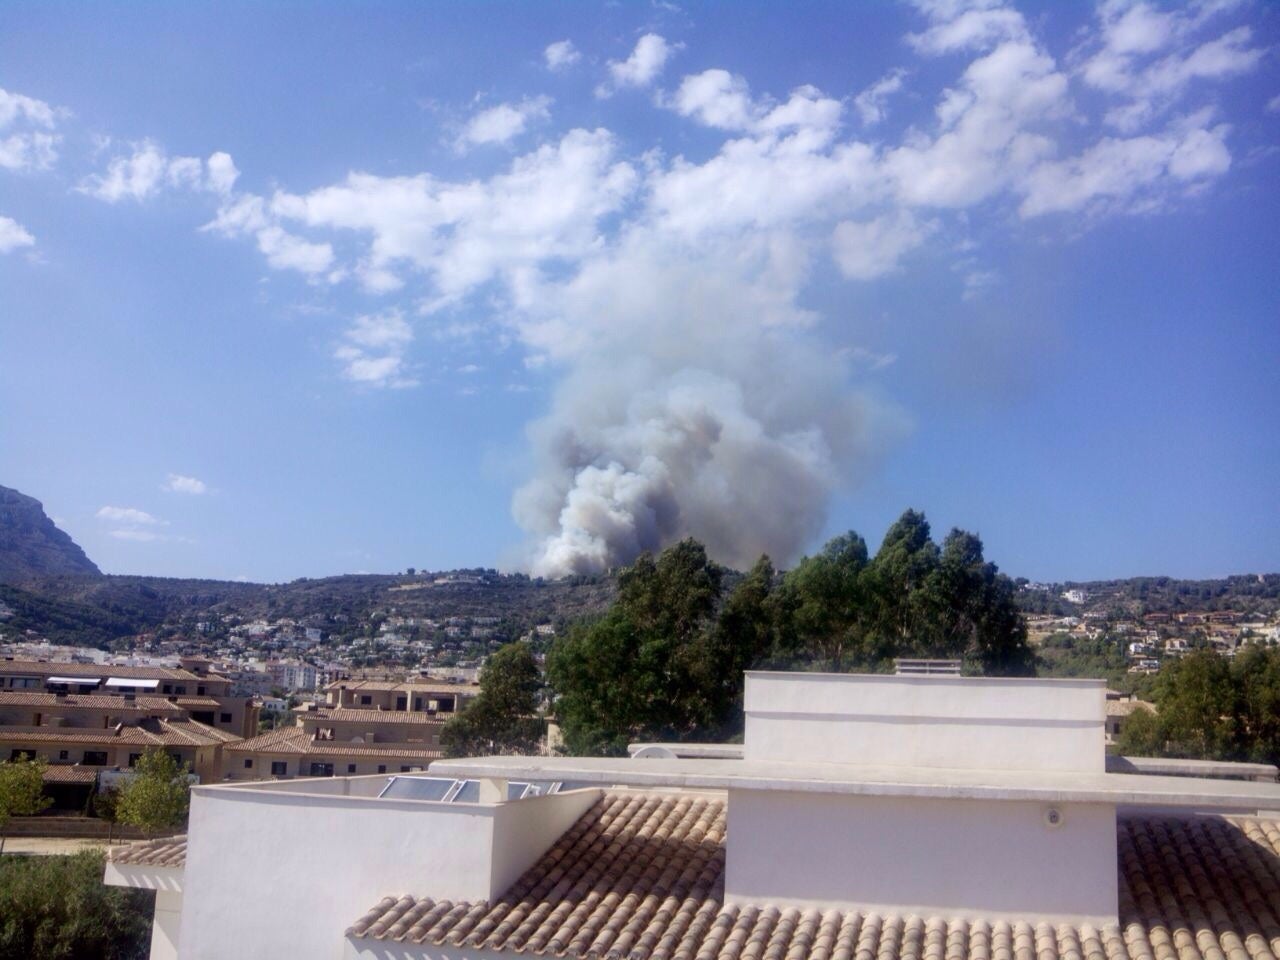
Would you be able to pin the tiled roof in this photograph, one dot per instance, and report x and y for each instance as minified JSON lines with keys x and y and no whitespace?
{"x":408,"y":686}
{"x":103,"y":670}
{"x":356,"y":715}
{"x":640,"y":877}
{"x":161,"y":852}
{"x":296,"y":740}
{"x":32,"y":698}
{"x":174,"y":732}
{"x":66,"y":773}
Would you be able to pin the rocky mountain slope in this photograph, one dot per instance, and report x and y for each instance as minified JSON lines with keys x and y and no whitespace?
{"x":31,"y":545}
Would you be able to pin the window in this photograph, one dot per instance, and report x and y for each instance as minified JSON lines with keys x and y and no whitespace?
{"x":321,"y":769}
{"x":404,"y":769}
{"x":382,"y":768}
{"x":248,"y":763}
{"x":224,"y":718}
{"x":351,"y":768}
{"x":64,"y":755}
{"x":95,"y":758}
{"x":22,"y":755}
{"x":134,"y":758}
{"x":167,"y":688}
{"x":279,"y":768}
{"x":180,"y":689}
{"x":365,"y":699}
{"x":199,"y":691}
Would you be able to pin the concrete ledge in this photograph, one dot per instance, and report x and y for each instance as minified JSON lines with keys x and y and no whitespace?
{"x":881,"y":781}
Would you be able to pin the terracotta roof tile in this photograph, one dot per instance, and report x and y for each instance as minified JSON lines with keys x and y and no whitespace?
{"x":51,"y":668}
{"x":297,"y":740}
{"x":149,"y":731}
{"x":68,"y":773}
{"x":25,"y":698}
{"x":160,"y":852}
{"x":357,"y":715}
{"x":640,"y":877}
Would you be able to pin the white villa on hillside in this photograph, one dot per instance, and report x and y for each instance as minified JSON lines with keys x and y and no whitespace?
{"x":866,"y":818}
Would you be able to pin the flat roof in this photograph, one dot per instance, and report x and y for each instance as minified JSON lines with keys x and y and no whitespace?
{"x":877,"y":781}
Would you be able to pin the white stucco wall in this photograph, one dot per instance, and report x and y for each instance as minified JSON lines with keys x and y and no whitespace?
{"x":165,"y":925}
{"x":926,"y":721}
{"x":283,"y":873}
{"x":526,"y":829}
{"x":968,"y":858}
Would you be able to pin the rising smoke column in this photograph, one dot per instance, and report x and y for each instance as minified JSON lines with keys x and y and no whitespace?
{"x":696,"y":403}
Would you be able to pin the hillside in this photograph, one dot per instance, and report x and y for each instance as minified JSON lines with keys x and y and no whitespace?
{"x":31,"y":545}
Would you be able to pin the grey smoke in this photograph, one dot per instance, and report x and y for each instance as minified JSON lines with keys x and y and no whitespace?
{"x":696,"y":403}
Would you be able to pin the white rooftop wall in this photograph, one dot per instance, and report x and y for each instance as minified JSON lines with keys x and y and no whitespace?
{"x":926,"y":721}
{"x":282,"y":873}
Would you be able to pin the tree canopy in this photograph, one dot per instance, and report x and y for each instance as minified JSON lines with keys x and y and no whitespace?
{"x":156,"y":796}
{"x":58,"y":908}
{"x":666,"y":661}
{"x":21,"y":791}
{"x":1212,"y":708}
{"x":503,"y":718}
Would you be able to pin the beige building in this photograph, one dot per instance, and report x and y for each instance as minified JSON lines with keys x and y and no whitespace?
{"x":306,"y":751}
{"x":204,"y":695}
{"x":412,"y":696}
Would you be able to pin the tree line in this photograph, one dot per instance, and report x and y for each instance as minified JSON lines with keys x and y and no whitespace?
{"x":666,"y":661}
{"x":1209,"y":707}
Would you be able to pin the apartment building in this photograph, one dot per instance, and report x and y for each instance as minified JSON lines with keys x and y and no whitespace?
{"x":193,"y":686}
{"x":885,"y":817}
{"x":100,"y":732}
{"x":414,"y":696}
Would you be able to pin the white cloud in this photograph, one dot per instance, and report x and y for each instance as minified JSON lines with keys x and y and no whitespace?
{"x":248,"y":215}
{"x":129,"y":515}
{"x":469,"y":368}
{"x":373,"y":351}
{"x":178,"y":483}
{"x":864,"y":251}
{"x":639,"y":70}
{"x":13,"y":235}
{"x":870,"y":103}
{"x":222,"y":173}
{"x":140,"y":536}
{"x":561,"y":55}
{"x":716,"y":98}
{"x":1149,"y":58}
{"x":149,"y":169}
{"x":504,"y":122}
{"x":1273,"y":105}
{"x":31,"y":145}
{"x":1122,"y":171}
{"x":546,"y":206}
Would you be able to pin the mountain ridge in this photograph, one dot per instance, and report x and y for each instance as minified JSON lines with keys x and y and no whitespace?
{"x":33,"y":546}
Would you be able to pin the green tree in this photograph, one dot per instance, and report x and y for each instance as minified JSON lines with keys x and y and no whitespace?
{"x":21,"y":791}
{"x":828,"y":605}
{"x":503,"y":718}
{"x":1256,"y":678}
{"x":651,"y":667}
{"x":1141,"y":735}
{"x":157,"y":795}
{"x":1195,"y":695}
{"x":58,"y":908}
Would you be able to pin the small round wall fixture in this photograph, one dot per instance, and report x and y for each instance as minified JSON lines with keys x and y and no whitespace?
{"x":1053,"y":818}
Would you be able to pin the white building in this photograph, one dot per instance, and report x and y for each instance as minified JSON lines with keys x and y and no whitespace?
{"x":876,"y":817}
{"x":1075,"y":596}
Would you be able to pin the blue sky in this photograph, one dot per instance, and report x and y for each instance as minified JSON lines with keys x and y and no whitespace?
{"x":294,"y":289}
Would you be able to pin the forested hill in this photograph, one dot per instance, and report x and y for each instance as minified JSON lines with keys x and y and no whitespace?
{"x":1137,"y":596}
{"x":118,"y":605}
